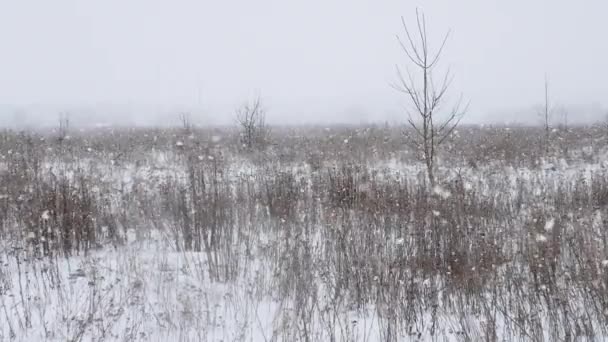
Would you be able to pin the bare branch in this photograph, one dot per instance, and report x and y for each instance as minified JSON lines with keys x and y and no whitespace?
{"x":422,"y":33}
{"x":408,"y":54}
{"x":438,"y":96}
{"x":408,"y":88}
{"x":450,"y":124}
{"x":412,"y":45}
{"x":436,"y":58}
{"x":426,"y":98}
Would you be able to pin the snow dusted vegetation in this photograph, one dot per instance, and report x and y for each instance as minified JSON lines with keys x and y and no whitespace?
{"x":327,"y":234}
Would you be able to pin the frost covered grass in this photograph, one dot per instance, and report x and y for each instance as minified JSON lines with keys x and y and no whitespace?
{"x":330,"y":234}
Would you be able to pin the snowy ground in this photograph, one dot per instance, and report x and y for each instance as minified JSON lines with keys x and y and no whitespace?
{"x":146,"y":290}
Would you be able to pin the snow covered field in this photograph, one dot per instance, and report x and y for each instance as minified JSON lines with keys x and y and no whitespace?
{"x":191,"y":244}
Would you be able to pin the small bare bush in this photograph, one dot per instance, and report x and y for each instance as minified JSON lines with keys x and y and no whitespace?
{"x":251,"y":117}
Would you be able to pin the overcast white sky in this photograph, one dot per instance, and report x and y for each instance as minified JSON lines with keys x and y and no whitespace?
{"x":313,"y":60}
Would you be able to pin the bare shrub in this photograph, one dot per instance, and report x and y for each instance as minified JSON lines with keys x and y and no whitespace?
{"x":251,"y":117}
{"x":282,"y":193}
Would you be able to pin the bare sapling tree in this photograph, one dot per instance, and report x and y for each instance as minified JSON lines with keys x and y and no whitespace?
{"x":563,"y":112}
{"x":251,"y":117}
{"x":429,"y":128}
{"x":184,"y":118}
{"x":546,"y":114}
{"x":64,"y":125}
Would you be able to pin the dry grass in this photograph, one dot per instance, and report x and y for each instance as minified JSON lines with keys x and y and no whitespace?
{"x":523,"y":252}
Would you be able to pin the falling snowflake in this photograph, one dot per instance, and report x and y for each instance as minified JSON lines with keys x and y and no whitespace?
{"x":549,"y":224}
{"x":441,"y":192}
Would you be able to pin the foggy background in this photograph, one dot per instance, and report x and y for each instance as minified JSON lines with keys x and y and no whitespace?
{"x":144,"y":61}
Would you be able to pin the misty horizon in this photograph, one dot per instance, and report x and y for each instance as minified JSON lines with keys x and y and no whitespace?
{"x":20,"y":118}
{"x":143,"y":62}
